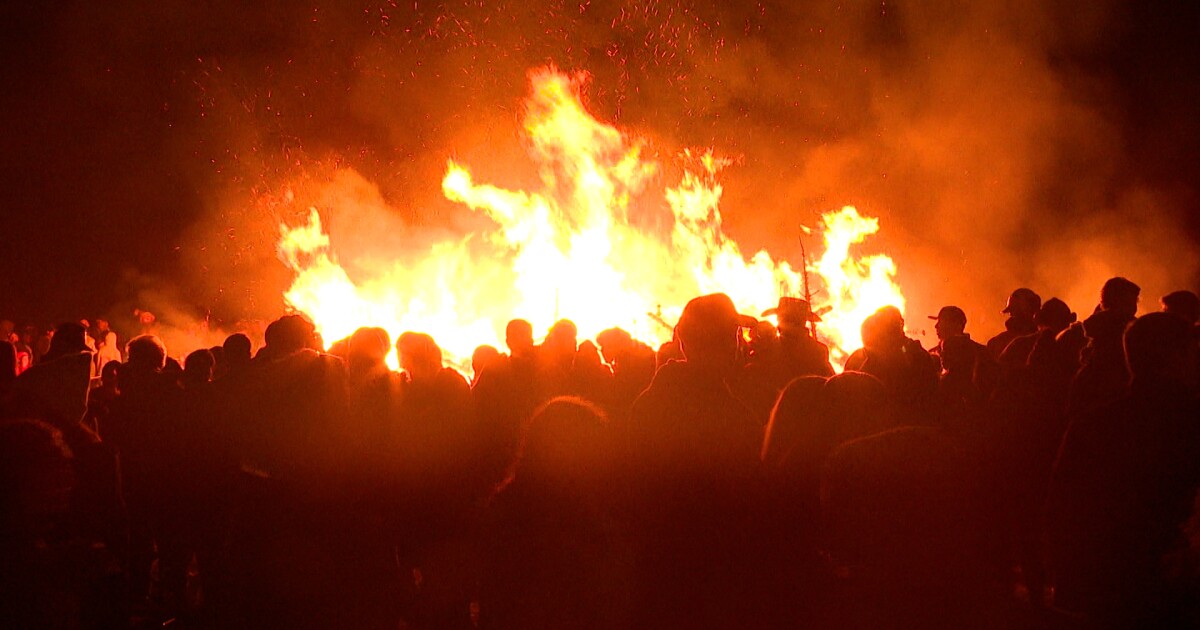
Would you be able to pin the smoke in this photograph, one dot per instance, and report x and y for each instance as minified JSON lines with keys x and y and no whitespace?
{"x":997,"y":142}
{"x":153,"y":307}
{"x":994,"y":157}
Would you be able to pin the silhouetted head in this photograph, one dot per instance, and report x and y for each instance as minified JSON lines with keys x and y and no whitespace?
{"x":883,"y":330}
{"x":708,"y":330}
{"x":856,"y":405}
{"x":951,"y":322}
{"x":1159,"y":346}
{"x":614,"y":342}
{"x":218,"y":353}
{"x":237,"y":349}
{"x":793,"y":315}
{"x":108,"y":373}
{"x":588,"y":355}
{"x":565,"y":443}
{"x":289,"y":334}
{"x":484,"y":357}
{"x":198,"y":367}
{"x":1183,"y":304}
{"x":795,"y":429}
{"x":872,"y":332}
{"x":68,"y":339}
{"x":1120,"y":296}
{"x":340,"y":348}
{"x":518,"y":336}
{"x":172,"y":369}
{"x":146,"y":353}
{"x":1054,"y":315}
{"x":764,"y":339}
{"x":368,"y":347}
{"x":1023,"y":304}
{"x":561,"y":340}
{"x":419,"y":355}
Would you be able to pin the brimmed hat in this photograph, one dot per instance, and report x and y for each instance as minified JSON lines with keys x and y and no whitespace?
{"x":793,"y":310}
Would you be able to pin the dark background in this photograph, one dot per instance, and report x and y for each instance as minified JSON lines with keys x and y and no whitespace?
{"x":136,"y":136}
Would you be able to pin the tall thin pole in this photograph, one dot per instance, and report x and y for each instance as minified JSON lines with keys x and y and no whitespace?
{"x":812,"y":326}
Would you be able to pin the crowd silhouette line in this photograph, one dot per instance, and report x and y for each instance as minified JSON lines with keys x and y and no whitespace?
{"x":1047,"y":478}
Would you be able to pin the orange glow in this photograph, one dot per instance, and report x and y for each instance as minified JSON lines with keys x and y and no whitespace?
{"x":595,"y":244}
{"x":853,"y":288}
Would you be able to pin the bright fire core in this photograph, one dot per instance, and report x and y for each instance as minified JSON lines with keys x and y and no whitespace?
{"x":597,"y":244}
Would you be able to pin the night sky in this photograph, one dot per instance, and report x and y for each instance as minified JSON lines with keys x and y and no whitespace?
{"x":137,"y":135}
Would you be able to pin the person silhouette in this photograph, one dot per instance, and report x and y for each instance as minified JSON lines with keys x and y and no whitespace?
{"x":1124,"y":483}
{"x":1022,"y":305}
{"x":692,"y":475}
{"x":557,"y":555}
{"x":1102,"y":375}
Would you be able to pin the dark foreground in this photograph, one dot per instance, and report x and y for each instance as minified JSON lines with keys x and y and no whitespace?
{"x":1047,"y":479}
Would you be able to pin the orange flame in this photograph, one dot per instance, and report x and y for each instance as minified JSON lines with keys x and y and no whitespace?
{"x":854,"y":288}
{"x":593,"y":245}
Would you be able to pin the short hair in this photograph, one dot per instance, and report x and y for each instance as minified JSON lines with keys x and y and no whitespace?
{"x":420,"y":349}
{"x":146,"y":351}
{"x":1119,"y":291}
{"x":237,"y":346}
{"x":289,"y":333}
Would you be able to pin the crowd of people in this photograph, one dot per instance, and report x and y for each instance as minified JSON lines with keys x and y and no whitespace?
{"x":729,"y":478}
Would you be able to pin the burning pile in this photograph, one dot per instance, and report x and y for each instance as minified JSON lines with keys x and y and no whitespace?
{"x":595,"y":245}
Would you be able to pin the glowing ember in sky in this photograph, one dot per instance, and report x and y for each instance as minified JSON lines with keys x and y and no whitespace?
{"x":595,"y":244}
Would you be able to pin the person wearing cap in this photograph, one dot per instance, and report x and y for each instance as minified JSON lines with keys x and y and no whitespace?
{"x":951,"y":322}
{"x":693,"y":456}
{"x":1102,"y":375}
{"x":1022,"y":305}
{"x":966,"y":367}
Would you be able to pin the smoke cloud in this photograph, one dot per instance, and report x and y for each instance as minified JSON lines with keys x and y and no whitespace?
{"x":1000,"y":143}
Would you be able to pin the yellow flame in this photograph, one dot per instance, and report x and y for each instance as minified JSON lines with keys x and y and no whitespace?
{"x":594,"y":245}
{"x":854,"y":288}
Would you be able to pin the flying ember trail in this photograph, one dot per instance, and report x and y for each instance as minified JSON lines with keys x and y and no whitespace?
{"x":596,"y":244}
